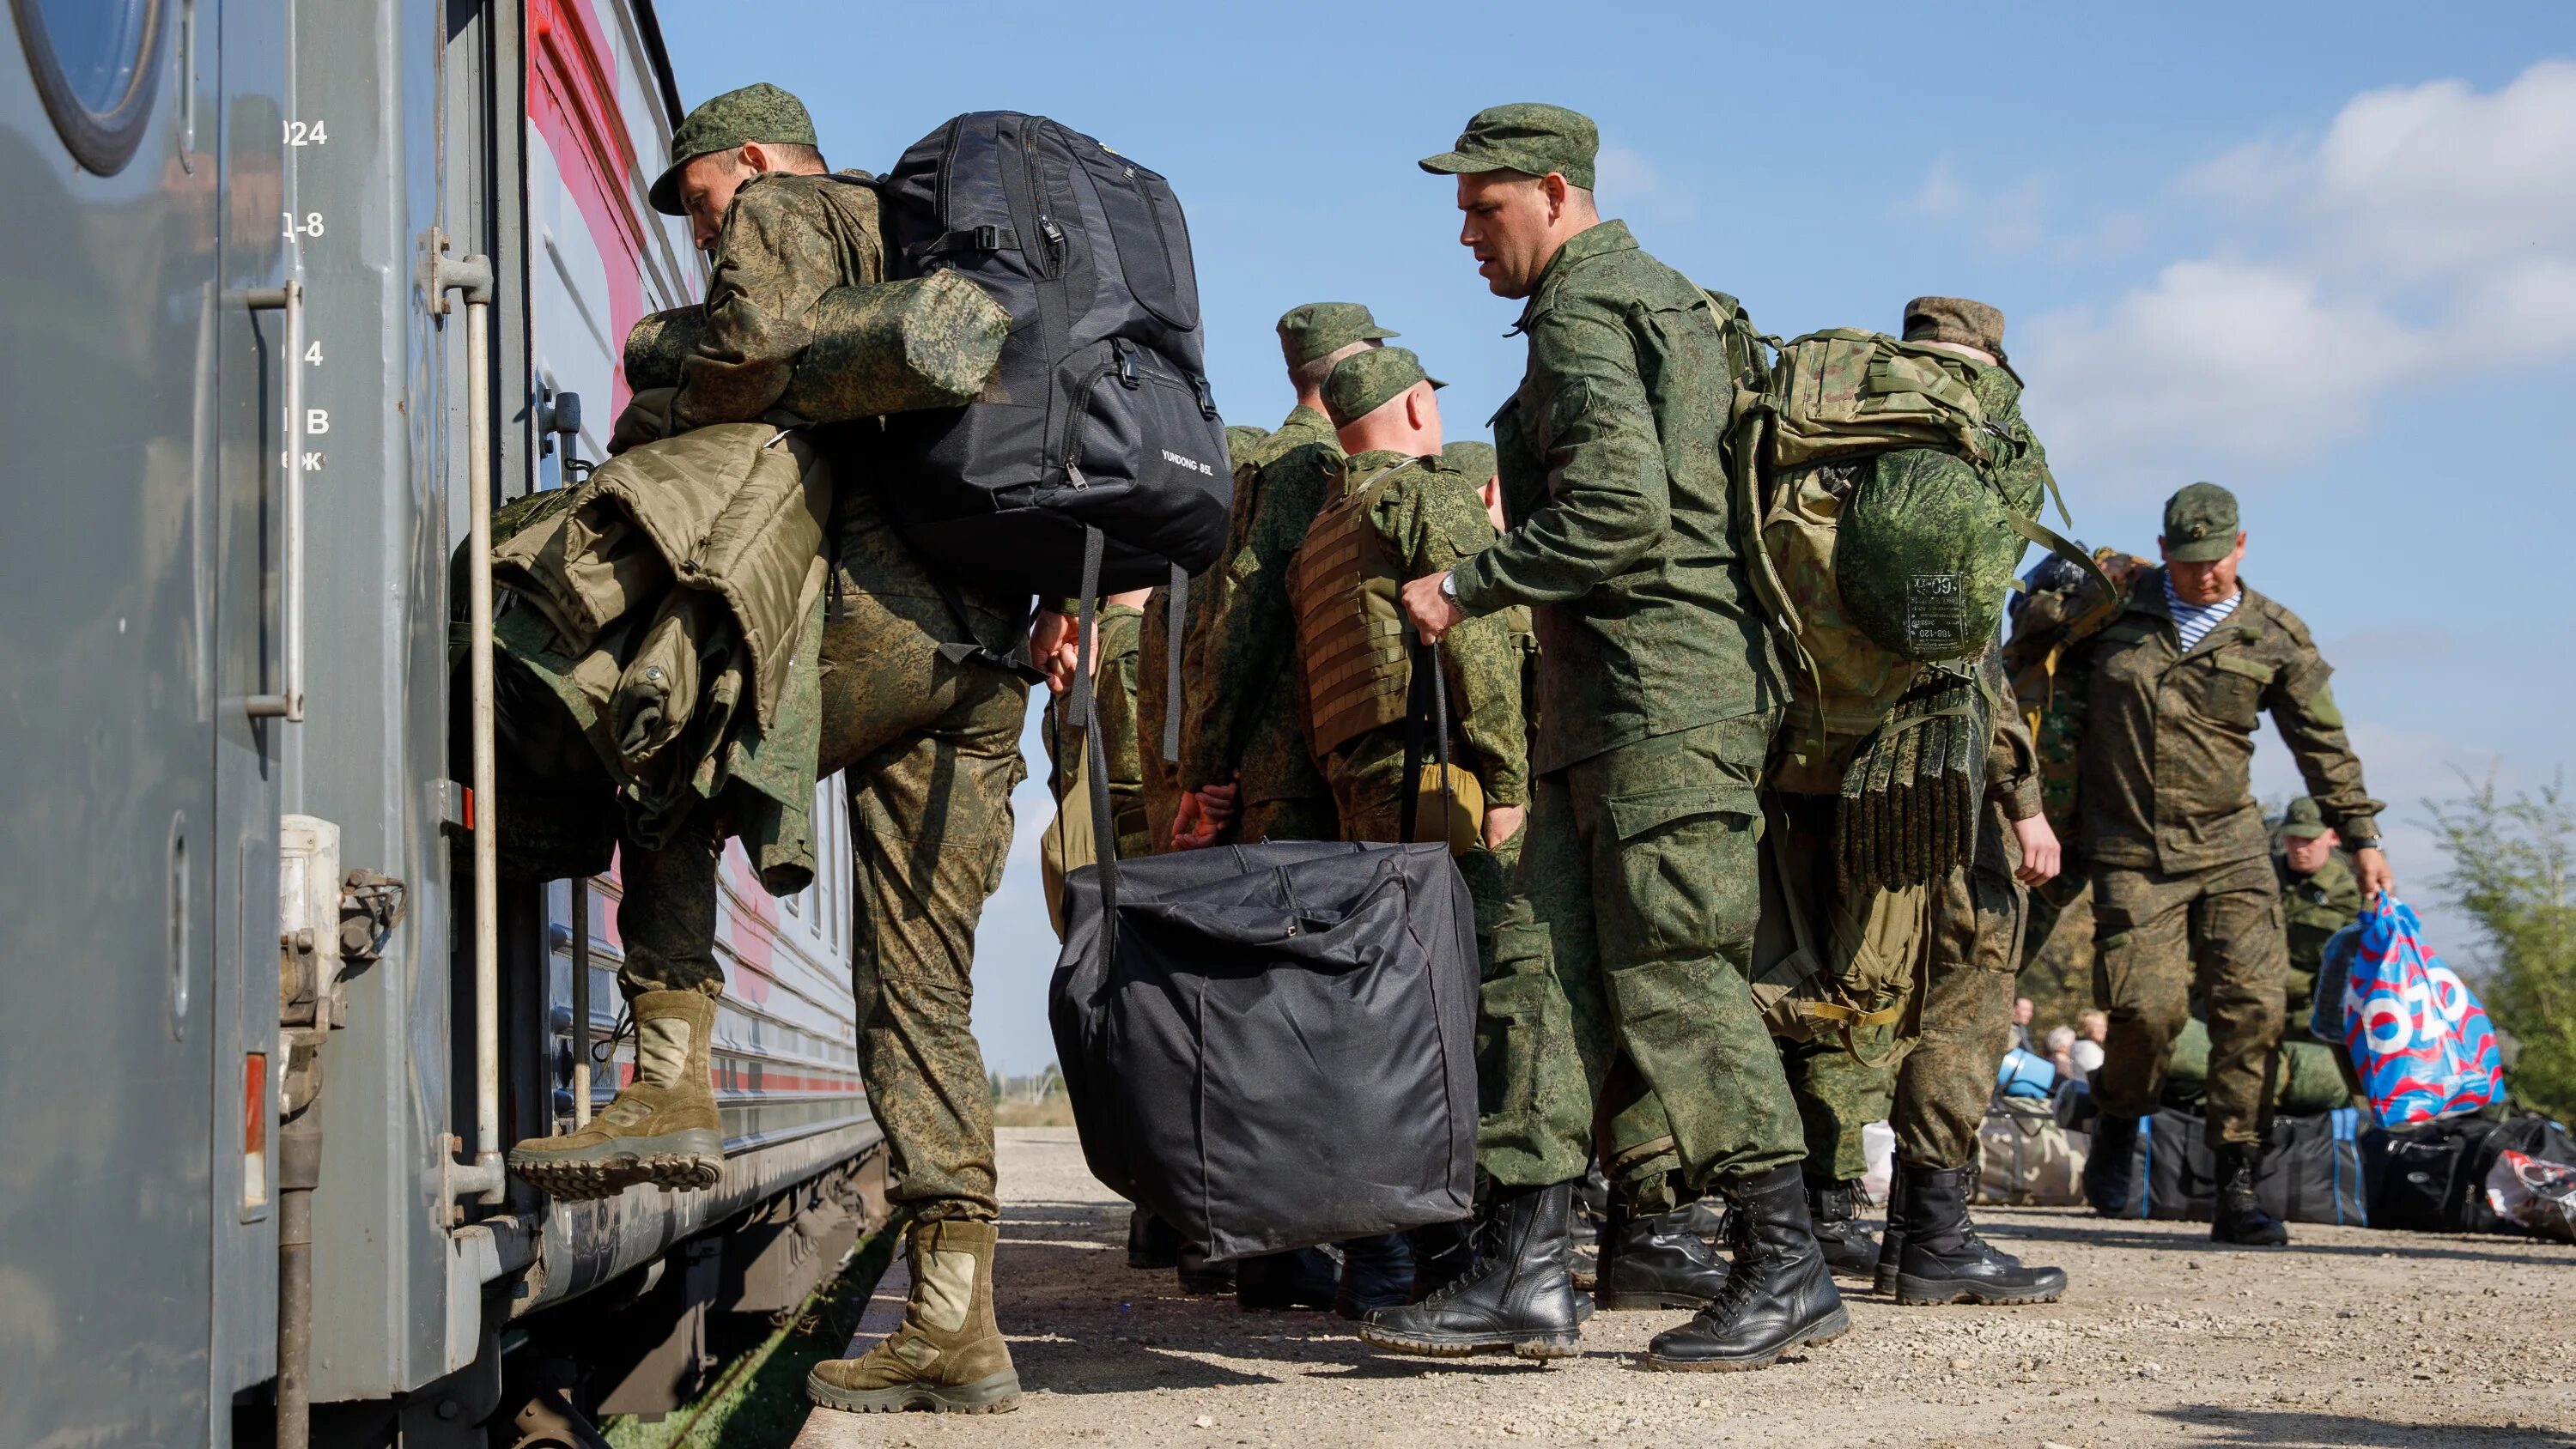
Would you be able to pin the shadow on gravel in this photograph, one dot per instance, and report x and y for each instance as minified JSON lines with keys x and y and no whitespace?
{"x":2111,"y":1234}
{"x":2301,"y":1429}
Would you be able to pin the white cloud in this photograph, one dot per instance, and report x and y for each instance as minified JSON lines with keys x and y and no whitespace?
{"x":2427,"y":224}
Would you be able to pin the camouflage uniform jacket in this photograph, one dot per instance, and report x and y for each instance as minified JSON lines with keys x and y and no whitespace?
{"x":1431,"y":518}
{"x":1238,"y":701}
{"x":787,"y":239}
{"x":2168,"y":745}
{"x":2317,"y":905}
{"x":1624,"y":540}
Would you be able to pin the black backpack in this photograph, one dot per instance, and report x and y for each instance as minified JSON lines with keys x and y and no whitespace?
{"x":1099,"y":416}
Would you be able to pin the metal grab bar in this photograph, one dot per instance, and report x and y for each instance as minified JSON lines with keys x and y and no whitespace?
{"x":473,"y":276}
{"x":288,"y":704}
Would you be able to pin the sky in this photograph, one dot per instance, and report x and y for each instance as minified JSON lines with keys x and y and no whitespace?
{"x":2324,"y":255}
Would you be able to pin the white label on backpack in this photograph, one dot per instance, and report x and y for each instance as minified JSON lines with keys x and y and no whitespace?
{"x":1185,"y":464}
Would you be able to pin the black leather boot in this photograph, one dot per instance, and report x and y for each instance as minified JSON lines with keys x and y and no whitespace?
{"x":1891,"y":1241}
{"x":1199,"y":1276}
{"x":1151,"y":1243}
{"x":1443,"y":1253}
{"x":1850,"y":1250}
{"x":1944,"y":1261}
{"x":1377,"y":1272}
{"x":2107,"y":1170}
{"x":1705,"y":1219}
{"x":1299,"y":1278}
{"x":1653,"y":1262}
{"x":2238,"y":1218}
{"x":1516,"y":1300}
{"x":1779,"y":1295}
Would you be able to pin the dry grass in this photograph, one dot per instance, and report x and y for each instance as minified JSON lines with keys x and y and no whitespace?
{"x":1053,"y":1112}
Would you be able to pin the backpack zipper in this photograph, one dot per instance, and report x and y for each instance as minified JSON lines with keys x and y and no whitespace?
{"x":1124,"y":363}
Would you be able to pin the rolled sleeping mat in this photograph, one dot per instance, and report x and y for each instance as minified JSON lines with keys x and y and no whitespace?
{"x":885,"y":347}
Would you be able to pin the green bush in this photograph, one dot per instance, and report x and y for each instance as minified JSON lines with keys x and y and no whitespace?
{"x":2510,"y":864}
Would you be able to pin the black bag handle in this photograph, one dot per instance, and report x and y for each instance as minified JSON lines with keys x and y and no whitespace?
{"x":1427,"y":696}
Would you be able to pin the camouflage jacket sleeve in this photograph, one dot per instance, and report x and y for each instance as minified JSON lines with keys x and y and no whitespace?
{"x":1249,"y":634}
{"x":1434,"y":521}
{"x":2301,"y":703}
{"x":2012,"y":765}
{"x":1609,"y":501}
{"x":775,"y":259}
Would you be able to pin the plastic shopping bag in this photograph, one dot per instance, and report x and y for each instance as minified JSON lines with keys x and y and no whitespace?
{"x":2416,"y":1033}
{"x":2538,"y":1194}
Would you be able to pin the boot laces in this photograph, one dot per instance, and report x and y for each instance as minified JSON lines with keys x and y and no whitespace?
{"x":624,"y":1030}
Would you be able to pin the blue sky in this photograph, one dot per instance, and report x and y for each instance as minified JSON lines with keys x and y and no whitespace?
{"x":2325,"y":255}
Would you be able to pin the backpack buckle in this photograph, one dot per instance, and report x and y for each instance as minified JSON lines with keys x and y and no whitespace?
{"x":1128,"y":377}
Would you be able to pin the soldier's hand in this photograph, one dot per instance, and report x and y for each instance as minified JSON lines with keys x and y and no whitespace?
{"x":1502,"y":822}
{"x":1218,"y":803}
{"x":2376,"y":878}
{"x":1431,"y":611}
{"x":2041,"y":856}
{"x":1053,"y":648}
{"x":1191,"y":828}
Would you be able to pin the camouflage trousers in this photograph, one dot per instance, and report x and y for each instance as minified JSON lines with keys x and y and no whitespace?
{"x":1366,"y":802}
{"x":2160,"y":939}
{"x":1618,"y":984}
{"x":1931,"y":1084}
{"x":1307,"y":818}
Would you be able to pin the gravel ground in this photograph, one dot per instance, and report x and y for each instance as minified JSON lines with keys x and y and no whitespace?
{"x":2163,"y":1339}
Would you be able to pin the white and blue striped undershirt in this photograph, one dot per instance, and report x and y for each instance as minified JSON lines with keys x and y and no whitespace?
{"x":2194,"y":621}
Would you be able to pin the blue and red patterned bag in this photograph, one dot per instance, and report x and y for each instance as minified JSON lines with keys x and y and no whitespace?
{"x":2418,"y":1037}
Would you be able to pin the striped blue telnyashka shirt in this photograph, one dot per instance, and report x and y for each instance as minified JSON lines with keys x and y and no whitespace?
{"x":2194,"y":621}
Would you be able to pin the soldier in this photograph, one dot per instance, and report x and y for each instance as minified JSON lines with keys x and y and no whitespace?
{"x":931,"y":744}
{"x":2182,"y":892}
{"x":1069,"y":843}
{"x":1936,"y":1079}
{"x":1241,"y":756}
{"x":1629,"y":932}
{"x":2320,"y":895}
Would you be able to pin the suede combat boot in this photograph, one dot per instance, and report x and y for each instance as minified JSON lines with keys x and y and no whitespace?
{"x":1517,"y":1300}
{"x":1276,"y":1282}
{"x":1151,"y":1242}
{"x":2108,"y":1167}
{"x":946,"y":1355}
{"x":1655,"y":1261}
{"x":1377,"y":1272}
{"x":2238,"y":1218}
{"x":1779,"y":1295}
{"x":1850,"y":1251}
{"x":1942,"y":1260}
{"x":662,"y":1128}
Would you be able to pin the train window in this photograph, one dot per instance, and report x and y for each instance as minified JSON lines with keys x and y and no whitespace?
{"x":94,"y":65}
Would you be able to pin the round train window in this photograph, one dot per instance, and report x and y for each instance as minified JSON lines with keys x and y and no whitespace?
{"x":94,"y":65}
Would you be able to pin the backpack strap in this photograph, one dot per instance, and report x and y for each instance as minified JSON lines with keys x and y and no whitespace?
{"x":2058,"y":543}
{"x":975,"y":650}
{"x":1430,"y":698}
{"x":1176,"y":611}
{"x":1086,"y":708}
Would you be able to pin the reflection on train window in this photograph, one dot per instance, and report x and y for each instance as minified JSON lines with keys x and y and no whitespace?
{"x":93,"y":62}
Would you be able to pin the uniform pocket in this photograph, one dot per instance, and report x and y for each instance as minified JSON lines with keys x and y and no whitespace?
{"x":2233,"y":692}
{"x":1684,"y":879}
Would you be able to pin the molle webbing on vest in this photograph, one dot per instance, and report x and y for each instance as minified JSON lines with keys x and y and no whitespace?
{"x":1911,"y":796}
{"x":1350,"y":633}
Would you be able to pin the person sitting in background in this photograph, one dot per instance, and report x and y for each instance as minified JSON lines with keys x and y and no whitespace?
{"x":2092,"y":1028}
{"x":2023,"y":1010}
{"x":2061,"y":1050}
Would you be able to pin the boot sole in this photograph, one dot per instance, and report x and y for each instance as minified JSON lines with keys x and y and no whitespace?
{"x":688,"y":1160}
{"x":1928,"y":1292}
{"x":1532,"y":1346}
{"x":994,"y":1394}
{"x":1833,"y":1326}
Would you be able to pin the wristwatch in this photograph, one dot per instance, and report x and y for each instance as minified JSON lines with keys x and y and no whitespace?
{"x":1449,"y":586}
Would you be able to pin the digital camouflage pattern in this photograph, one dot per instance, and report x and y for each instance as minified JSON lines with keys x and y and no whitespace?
{"x":2201,"y":523}
{"x":1238,"y":710}
{"x":1114,"y":692}
{"x":1428,"y":517}
{"x":1626,"y":552}
{"x":1956,"y":320}
{"x":2313,"y":908}
{"x":2167,"y":747}
{"x":1367,"y":380}
{"x":1626,"y":940}
{"x":886,"y":347}
{"x":1474,"y":459}
{"x":1529,"y":138}
{"x":787,"y":240}
{"x":1319,"y":329}
{"x":757,"y":112}
{"x":2162,"y":938}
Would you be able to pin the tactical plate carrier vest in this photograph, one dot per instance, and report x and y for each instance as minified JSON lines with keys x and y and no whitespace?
{"x":1350,"y":632}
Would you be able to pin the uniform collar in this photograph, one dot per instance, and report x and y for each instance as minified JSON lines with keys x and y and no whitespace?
{"x":1305,"y":418}
{"x":2148,"y":597}
{"x":1358,"y":472}
{"x":1598,"y":239}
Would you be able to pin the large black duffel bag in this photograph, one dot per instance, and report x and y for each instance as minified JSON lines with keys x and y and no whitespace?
{"x":1272,"y":1046}
{"x":2311,"y":1174}
{"x":2431,"y":1177}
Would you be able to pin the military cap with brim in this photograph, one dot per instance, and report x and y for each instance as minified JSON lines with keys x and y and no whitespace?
{"x":758,"y":112}
{"x":1320,"y":329}
{"x":2303,"y":820}
{"x":1956,"y":320}
{"x":1472,"y":458}
{"x":1525,"y":137}
{"x":2200,"y":524}
{"x":1363,"y":382}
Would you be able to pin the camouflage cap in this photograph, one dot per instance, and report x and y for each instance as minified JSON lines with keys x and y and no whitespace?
{"x":1320,"y":329}
{"x":2304,"y":820}
{"x":1366,"y":381}
{"x":1528,"y":138}
{"x":1240,"y":440}
{"x":1472,"y":458}
{"x":2200,"y":524}
{"x":1955,"y":319}
{"x":757,"y":112}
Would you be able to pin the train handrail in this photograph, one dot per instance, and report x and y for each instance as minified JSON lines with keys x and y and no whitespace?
{"x":288,"y":703}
